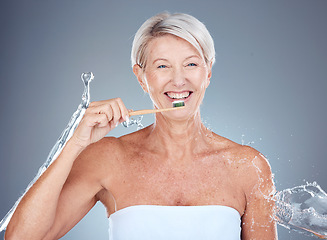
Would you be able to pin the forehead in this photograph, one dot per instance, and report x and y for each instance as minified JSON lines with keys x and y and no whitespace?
{"x":170,"y":46}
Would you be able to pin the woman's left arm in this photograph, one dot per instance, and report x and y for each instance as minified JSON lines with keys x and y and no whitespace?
{"x":257,"y":221}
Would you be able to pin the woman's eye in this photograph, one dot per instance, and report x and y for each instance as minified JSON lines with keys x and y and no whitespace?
{"x":162,"y":66}
{"x":191,"y":64}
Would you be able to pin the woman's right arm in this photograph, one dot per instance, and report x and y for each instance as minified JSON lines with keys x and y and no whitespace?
{"x":67,"y":190}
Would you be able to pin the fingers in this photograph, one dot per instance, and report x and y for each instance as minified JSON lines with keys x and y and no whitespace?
{"x":123,"y":109}
{"x":92,"y":119}
{"x":114,"y":110}
{"x":99,"y":119}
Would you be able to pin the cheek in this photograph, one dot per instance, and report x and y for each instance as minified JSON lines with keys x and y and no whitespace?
{"x":156,"y":80}
{"x":200,"y":79}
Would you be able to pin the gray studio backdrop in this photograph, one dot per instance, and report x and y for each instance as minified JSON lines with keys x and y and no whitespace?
{"x":268,"y":87}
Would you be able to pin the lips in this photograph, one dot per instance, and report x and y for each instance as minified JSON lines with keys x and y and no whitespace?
{"x":178,"y":95}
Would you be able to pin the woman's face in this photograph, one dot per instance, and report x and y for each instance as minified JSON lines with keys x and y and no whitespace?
{"x":174,"y":71}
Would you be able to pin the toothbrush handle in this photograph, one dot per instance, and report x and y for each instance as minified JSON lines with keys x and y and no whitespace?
{"x":147,"y":111}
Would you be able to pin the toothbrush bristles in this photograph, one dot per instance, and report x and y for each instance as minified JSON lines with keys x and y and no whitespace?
{"x":179,"y":103}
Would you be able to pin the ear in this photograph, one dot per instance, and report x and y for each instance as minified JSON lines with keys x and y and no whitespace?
{"x":138,"y":71}
{"x":209,"y":74}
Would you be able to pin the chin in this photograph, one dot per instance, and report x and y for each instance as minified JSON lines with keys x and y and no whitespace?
{"x":181,"y":115}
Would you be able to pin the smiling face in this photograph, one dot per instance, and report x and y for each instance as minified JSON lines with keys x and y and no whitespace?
{"x":174,"y":71}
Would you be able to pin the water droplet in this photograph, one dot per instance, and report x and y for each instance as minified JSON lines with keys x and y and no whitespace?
{"x":133,"y":121}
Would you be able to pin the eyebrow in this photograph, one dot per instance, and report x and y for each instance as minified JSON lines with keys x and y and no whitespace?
{"x":164,"y":59}
{"x":192,"y":56}
{"x":158,"y":59}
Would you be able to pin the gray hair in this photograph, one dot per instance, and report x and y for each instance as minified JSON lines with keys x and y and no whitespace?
{"x":181,"y":25}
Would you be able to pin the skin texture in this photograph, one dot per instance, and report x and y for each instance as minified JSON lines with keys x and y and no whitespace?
{"x":175,"y":161}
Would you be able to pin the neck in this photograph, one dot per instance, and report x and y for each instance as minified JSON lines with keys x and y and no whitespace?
{"x":177,"y":138}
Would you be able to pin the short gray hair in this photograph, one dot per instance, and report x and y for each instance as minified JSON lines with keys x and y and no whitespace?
{"x":181,"y":25}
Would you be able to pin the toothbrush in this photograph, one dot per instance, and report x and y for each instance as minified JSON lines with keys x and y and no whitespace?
{"x":176,"y":105}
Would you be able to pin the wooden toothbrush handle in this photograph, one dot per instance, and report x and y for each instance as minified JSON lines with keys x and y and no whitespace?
{"x":147,"y":111}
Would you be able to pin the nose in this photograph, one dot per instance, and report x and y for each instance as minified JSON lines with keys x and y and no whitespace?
{"x":178,"y":77}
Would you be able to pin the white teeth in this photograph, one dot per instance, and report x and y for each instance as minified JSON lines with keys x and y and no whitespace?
{"x":178,"y":95}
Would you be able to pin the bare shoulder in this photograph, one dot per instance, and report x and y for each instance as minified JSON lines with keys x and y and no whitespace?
{"x":254,"y":161}
{"x":252,"y":166}
{"x":98,"y":159}
{"x":256,"y":175}
{"x":108,"y":152}
{"x":243,"y":155}
{"x":251,"y":158}
{"x":107,"y":147}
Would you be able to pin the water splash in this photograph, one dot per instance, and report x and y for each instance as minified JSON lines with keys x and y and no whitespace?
{"x":59,"y":145}
{"x":132,"y":121}
{"x":303,"y":209}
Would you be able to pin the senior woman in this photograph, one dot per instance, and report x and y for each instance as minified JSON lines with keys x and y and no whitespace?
{"x":174,"y":179}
